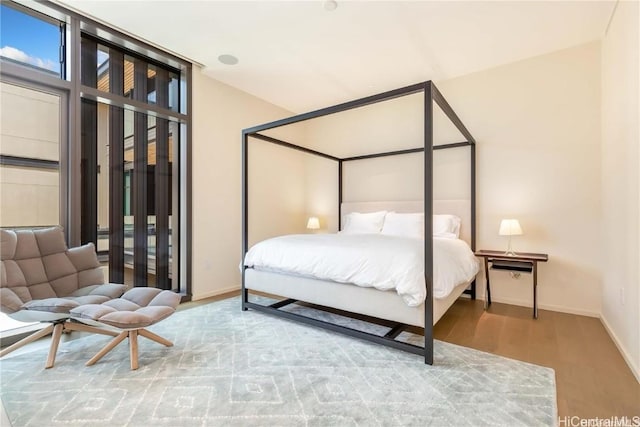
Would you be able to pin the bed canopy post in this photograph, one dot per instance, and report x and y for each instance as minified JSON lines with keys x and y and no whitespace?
{"x":339,"y":194}
{"x":471,"y":142}
{"x":473,"y":197}
{"x":428,"y":225}
{"x":473,"y":209}
{"x":245,"y":213}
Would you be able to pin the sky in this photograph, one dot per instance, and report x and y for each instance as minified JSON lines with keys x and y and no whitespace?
{"x":28,"y":39}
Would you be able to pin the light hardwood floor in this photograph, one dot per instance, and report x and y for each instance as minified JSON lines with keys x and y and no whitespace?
{"x":592,"y":378}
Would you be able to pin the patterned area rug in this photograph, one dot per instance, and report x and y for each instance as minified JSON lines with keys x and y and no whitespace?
{"x":234,"y":368}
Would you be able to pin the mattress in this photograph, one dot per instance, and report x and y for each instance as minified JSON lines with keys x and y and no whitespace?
{"x":386,"y":263}
{"x":367,"y":301}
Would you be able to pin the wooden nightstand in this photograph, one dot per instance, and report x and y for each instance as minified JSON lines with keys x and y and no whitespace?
{"x":521,"y":262}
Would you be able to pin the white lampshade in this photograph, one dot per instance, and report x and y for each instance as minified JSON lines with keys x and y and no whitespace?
{"x":313,"y":223}
{"x":510,"y":227}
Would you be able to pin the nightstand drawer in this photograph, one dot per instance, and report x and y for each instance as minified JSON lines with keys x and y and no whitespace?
{"x":500,"y":264}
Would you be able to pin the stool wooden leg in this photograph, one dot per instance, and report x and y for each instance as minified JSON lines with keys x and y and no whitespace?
{"x":73,"y":326}
{"x":107,"y":348}
{"x":133,"y":348}
{"x":31,"y":338}
{"x":154,"y":337}
{"x":55,"y":340}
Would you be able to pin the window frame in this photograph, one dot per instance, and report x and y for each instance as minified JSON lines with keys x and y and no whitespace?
{"x":75,"y":25}
{"x":62,"y":30}
{"x":121,"y":103}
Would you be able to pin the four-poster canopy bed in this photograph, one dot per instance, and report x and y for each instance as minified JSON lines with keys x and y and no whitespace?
{"x":368,"y":301}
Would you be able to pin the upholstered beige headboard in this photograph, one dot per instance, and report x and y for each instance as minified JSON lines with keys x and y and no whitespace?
{"x":461,"y":208}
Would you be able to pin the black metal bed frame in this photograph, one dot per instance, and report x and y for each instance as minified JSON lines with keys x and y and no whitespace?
{"x":431,"y":94}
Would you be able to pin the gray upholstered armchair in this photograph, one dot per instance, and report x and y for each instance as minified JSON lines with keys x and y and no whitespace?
{"x":41,"y":281}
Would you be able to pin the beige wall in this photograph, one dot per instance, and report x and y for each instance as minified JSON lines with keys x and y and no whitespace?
{"x":321,"y":192}
{"x":621,"y":182}
{"x":220,"y":112}
{"x":537,"y":124}
{"x":276,"y":190}
{"x":402,"y":178}
{"x":396,"y":124}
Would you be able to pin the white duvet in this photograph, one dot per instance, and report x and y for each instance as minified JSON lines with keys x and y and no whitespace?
{"x":369,"y":260}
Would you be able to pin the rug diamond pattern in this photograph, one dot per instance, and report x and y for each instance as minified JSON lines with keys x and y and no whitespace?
{"x":234,"y":368}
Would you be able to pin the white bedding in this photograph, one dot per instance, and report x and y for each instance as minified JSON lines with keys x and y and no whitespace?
{"x":369,"y":260}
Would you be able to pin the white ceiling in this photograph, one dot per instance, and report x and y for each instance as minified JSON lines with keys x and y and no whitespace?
{"x":299,"y":56}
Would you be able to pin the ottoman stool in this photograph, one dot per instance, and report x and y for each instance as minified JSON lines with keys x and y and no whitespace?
{"x":137,"y":309}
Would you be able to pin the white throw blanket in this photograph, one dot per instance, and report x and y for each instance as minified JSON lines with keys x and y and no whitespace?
{"x":369,"y":260}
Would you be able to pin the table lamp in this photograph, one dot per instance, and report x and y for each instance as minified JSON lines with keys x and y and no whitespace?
{"x":313,"y":223}
{"x":510,"y":227}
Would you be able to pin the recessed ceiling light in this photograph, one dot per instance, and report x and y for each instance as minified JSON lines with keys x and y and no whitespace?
{"x":228,"y":59}
{"x":330,"y":5}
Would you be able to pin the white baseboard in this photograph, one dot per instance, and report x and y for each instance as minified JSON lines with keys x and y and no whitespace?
{"x":625,"y":355}
{"x":551,"y":307}
{"x":215,"y":293}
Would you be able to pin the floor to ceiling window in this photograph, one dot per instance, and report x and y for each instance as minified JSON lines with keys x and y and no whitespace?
{"x":95,"y":138}
{"x":128,"y":164}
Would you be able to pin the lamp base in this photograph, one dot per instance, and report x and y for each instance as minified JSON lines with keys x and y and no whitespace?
{"x":510,"y":251}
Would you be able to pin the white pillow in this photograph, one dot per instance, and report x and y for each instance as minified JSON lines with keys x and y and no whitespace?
{"x":404,"y":225}
{"x":361,"y":223}
{"x":446,"y":226}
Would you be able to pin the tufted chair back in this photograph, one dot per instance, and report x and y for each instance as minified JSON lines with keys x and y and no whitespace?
{"x":39,"y":273}
{"x":36,"y":264}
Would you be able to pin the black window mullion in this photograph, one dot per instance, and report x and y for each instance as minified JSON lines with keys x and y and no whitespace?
{"x":116,"y":171}
{"x":63,"y":50}
{"x":89,"y":142}
{"x":162,"y":190}
{"x":139,"y":199}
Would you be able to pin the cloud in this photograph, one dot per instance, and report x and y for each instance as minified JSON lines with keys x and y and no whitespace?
{"x":20,"y":56}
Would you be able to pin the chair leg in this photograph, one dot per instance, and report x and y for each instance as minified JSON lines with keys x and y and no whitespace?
{"x":31,"y":338}
{"x":133,"y":349}
{"x":55,"y":340}
{"x":154,"y":337}
{"x":107,"y":348}
{"x":133,"y":345}
{"x":73,"y":326}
